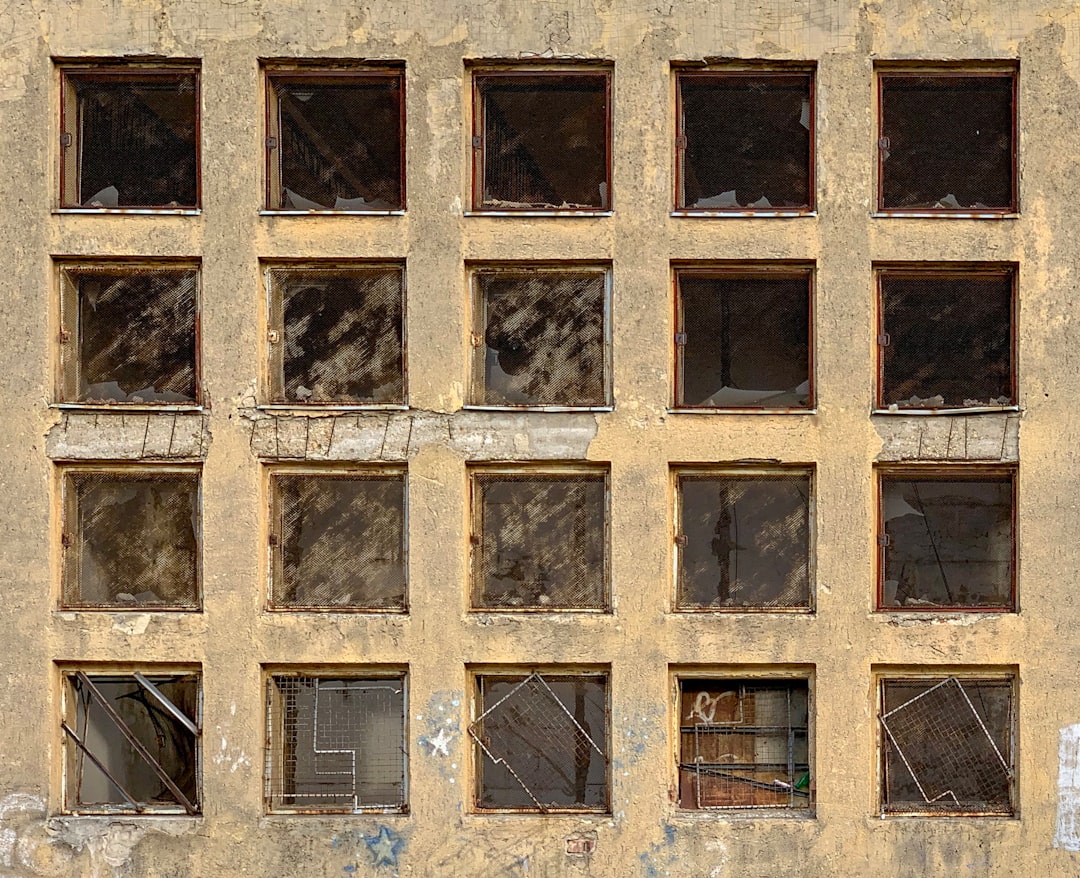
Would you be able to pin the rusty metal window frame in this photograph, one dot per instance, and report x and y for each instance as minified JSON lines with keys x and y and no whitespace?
{"x":68,"y":334}
{"x":75,"y":749}
{"x":274,"y":541}
{"x":118,"y":70}
{"x":945,"y":473}
{"x":944,"y":69}
{"x":944,"y":271}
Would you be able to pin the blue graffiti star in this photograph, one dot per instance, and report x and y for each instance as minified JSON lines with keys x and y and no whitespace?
{"x":384,"y":847}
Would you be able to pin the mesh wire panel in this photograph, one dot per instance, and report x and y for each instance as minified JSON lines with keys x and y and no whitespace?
{"x":544,"y":338}
{"x":545,"y":141}
{"x":336,"y":744}
{"x":747,"y":141}
{"x":135,"y":140}
{"x":540,"y":541}
{"x":340,"y":143}
{"x":949,"y":341}
{"x":947,"y":746}
{"x":343,"y":335}
{"x":131,"y":540}
{"x":746,"y":342}
{"x":544,"y":739}
{"x":747,"y":541}
{"x":947,"y":142}
{"x":341,"y":542}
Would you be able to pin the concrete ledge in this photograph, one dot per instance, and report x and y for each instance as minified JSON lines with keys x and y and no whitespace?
{"x":129,"y":436}
{"x":984,"y":437}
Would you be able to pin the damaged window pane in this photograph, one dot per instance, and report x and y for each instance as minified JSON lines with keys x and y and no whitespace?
{"x":947,"y":141}
{"x":336,"y":142}
{"x":540,"y":541}
{"x":744,"y":339}
{"x":340,"y":541}
{"x":341,"y":334}
{"x":948,"y":340}
{"x":542,"y":743}
{"x":744,"y":744}
{"x":947,"y":746}
{"x":335,"y":744}
{"x":745,"y":141}
{"x":131,"y":742}
{"x":542,"y":141}
{"x":948,"y":542}
{"x":541,"y":338}
{"x":131,"y":540}
{"x":130,"y":139}
{"x":744,"y":541}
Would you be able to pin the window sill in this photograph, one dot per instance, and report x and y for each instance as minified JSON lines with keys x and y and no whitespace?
{"x":754,"y":611}
{"x":538,"y":408}
{"x":699,"y":815}
{"x":286,"y":212}
{"x":480,"y":612}
{"x":131,"y":211}
{"x":127,"y":407}
{"x":72,"y":613}
{"x":924,"y":816}
{"x":743,"y":214}
{"x":968,"y":410}
{"x":945,"y":214}
{"x":540,"y":213}
{"x":913,"y":614}
{"x":322,"y":408}
{"x":702,"y":410}
{"x":342,"y":611}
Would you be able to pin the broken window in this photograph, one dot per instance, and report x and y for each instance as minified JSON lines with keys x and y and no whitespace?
{"x":129,"y":333}
{"x":541,"y":140}
{"x":542,"y":742}
{"x":946,"y":339}
{"x":744,"y":744}
{"x":338,"y":540}
{"x":947,"y":140}
{"x":131,"y":539}
{"x":335,"y":744}
{"x":743,"y":338}
{"x":947,"y":746}
{"x":338,"y":334}
{"x":539,"y":540}
{"x":130,"y":138}
{"x":947,"y":540}
{"x":744,"y":540}
{"x":132,"y":742}
{"x":541,"y":337}
{"x":336,"y":141}
{"x":745,"y":140}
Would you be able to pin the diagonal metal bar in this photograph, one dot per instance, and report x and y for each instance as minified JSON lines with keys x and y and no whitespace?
{"x":173,"y":711}
{"x":101,"y":766}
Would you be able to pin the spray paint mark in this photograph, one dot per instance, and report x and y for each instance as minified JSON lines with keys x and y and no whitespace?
{"x":1067,"y":833}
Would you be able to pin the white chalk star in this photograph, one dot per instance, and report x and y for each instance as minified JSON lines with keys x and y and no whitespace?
{"x":440,"y":742}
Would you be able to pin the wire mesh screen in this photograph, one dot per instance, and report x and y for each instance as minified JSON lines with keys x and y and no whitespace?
{"x":134,"y":332}
{"x":949,"y":341}
{"x":744,"y":744}
{"x":947,"y":142}
{"x":340,"y":143}
{"x":947,"y":746}
{"x":135,"y":141}
{"x":540,"y":541}
{"x":343,"y":335}
{"x":544,"y":742}
{"x":545,"y":141}
{"x":341,"y":542}
{"x":746,"y":341}
{"x":747,"y":143}
{"x":542,"y":338}
{"x":746,"y":541}
{"x":949,"y":542}
{"x":336,"y":744}
{"x":131,"y":540}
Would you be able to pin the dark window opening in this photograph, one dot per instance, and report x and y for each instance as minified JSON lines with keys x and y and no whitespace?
{"x":745,"y":141}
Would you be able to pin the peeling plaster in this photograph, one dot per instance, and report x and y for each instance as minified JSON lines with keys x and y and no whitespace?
{"x":1067,"y":833}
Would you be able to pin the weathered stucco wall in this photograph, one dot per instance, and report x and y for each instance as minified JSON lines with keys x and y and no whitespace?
{"x":641,"y":640}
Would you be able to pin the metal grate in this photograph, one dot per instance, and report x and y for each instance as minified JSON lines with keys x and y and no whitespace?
{"x":745,"y":541}
{"x":540,"y":541}
{"x":339,"y":142}
{"x":947,"y":142}
{"x":131,"y":540}
{"x":744,"y":744}
{"x":745,"y":141}
{"x":341,"y":335}
{"x":545,"y":742}
{"x":340,"y":542}
{"x":949,"y":542}
{"x":335,"y":744}
{"x":947,"y":340}
{"x":545,"y":142}
{"x":744,"y":340}
{"x":947,"y":746}
{"x":541,"y":338}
